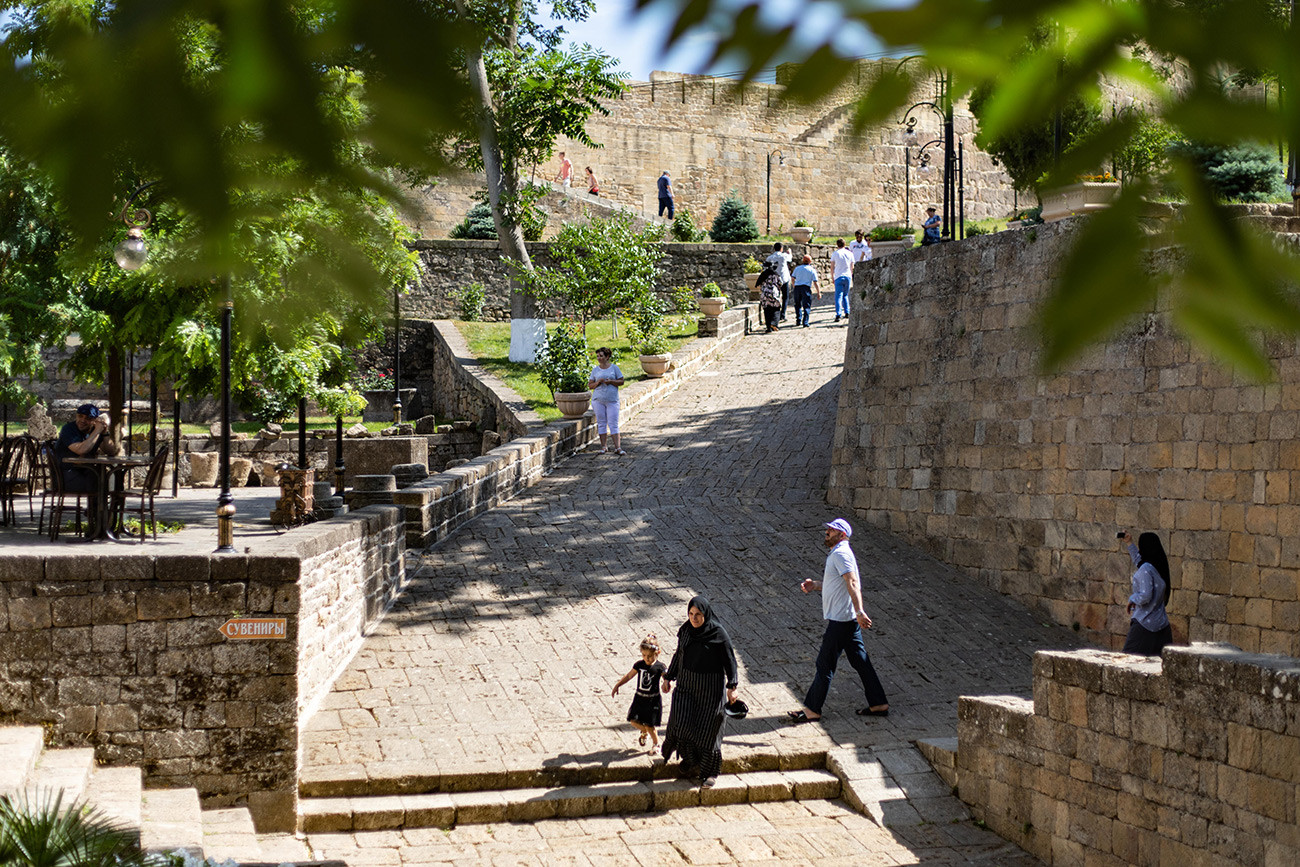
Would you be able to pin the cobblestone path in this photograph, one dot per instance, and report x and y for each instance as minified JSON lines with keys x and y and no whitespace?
{"x":502,"y":653}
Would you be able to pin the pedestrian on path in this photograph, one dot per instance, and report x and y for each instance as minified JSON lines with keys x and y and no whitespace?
{"x":860,"y":247}
{"x":647,"y":707}
{"x":593,"y":186}
{"x":1149,"y":630}
{"x":805,"y":283}
{"x":842,"y":273}
{"x":769,"y":297}
{"x":703,"y":664}
{"x":781,"y":259}
{"x":665,"y":184}
{"x":931,"y":227}
{"x":565,"y":175}
{"x":604,"y":383}
{"x":841,"y":589}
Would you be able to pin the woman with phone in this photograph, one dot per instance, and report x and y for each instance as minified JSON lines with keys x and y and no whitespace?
{"x":1149,"y":629}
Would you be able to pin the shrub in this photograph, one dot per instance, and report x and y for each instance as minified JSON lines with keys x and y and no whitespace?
{"x":1147,"y":151}
{"x":477,"y":225}
{"x":973,"y":229}
{"x":684,"y":228}
{"x":752,"y":265}
{"x":471,"y":300}
{"x":1242,"y":172}
{"x":735,"y":223}
{"x":645,"y":319}
{"x":41,"y":832}
{"x":710,"y":290}
{"x":564,"y":363}
{"x":891,"y":233}
{"x":683,"y":300}
{"x":801,"y":223}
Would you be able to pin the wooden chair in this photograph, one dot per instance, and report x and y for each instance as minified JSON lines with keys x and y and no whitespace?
{"x":21,"y":472}
{"x":56,"y":496}
{"x":153,"y":480}
{"x":10,"y":456}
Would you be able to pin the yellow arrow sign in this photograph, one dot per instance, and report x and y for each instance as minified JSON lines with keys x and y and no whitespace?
{"x":255,"y":628}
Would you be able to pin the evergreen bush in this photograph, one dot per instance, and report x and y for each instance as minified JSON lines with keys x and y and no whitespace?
{"x":1241,"y":172}
{"x":684,"y":228}
{"x":735,"y":223}
{"x":477,"y":225}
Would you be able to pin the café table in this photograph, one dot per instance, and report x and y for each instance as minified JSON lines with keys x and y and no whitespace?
{"x":101,"y":529}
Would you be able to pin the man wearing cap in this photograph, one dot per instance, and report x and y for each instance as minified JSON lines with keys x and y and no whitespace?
{"x":82,"y":438}
{"x":845,"y":619}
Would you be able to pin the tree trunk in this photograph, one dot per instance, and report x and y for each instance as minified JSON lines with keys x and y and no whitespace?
{"x":527,"y":330}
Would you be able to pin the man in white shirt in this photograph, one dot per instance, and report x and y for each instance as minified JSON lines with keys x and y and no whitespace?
{"x":845,"y":619}
{"x":842,"y":274}
{"x":780,"y":260}
{"x":860,"y":247}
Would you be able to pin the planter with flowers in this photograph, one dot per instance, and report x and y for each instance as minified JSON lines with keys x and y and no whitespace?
{"x":753,"y":268}
{"x":376,"y":386}
{"x":802,"y":233}
{"x":564,"y":364}
{"x":654,"y":355}
{"x":712,"y":301}
{"x":1090,"y":193}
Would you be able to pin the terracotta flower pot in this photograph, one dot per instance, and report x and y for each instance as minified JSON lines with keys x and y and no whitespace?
{"x":713,"y":306}
{"x":656,"y":366}
{"x":573,"y":404}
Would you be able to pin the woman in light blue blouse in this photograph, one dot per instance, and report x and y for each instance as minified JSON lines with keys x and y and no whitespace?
{"x":604,"y":383}
{"x":1149,"y":629}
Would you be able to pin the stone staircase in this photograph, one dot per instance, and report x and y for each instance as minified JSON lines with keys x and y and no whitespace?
{"x":167,"y":819}
{"x":896,"y":790}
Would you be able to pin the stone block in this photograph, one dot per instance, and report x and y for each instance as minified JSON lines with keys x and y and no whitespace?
{"x":29,"y":614}
{"x":479,"y":808}
{"x":673,"y":794}
{"x":429,"y":811}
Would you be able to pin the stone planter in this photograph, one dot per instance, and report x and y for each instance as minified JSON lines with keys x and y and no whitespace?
{"x":573,"y":404}
{"x":656,"y":366}
{"x":751,"y":283}
{"x":1075,"y":199}
{"x":379,"y":404}
{"x":802,"y":234}
{"x":713,"y":306}
{"x":889,"y":248}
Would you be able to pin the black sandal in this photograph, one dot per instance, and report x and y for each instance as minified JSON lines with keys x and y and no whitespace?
{"x":866,"y":711}
{"x":798,"y":716}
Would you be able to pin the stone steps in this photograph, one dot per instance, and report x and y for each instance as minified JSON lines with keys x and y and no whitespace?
{"x":447,"y":809}
{"x":166,"y":819}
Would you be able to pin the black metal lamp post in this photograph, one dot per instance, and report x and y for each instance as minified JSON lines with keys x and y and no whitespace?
{"x":942,"y":106}
{"x":225,"y":500}
{"x":397,"y":354}
{"x":781,"y":161}
{"x":339,"y":470}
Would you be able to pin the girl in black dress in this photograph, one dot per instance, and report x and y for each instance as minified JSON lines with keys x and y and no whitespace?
{"x":704,"y":667}
{"x":647,"y":707}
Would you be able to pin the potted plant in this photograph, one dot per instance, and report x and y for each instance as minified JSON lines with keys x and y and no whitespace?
{"x":712,"y":301}
{"x":888,"y":239}
{"x":753,"y":268}
{"x":564,"y":364}
{"x":802,"y":232}
{"x":654,"y":355}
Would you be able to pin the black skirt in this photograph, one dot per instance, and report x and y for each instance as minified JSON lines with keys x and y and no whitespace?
{"x":695,"y":721}
{"x":1143,"y":641}
{"x":646,"y":709}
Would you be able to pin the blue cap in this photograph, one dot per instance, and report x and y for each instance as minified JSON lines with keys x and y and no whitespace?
{"x":89,"y":410}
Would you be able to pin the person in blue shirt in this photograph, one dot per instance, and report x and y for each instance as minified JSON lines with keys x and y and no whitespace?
{"x":666,"y":195}
{"x":604,"y":383}
{"x":1149,"y":629}
{"x":931,"y":227}
{"x":804,"y":279}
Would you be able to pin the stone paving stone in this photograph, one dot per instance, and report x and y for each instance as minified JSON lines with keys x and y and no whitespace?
{"x":499,"y":658}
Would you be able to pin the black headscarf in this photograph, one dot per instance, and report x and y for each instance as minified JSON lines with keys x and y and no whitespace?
{"x":1151,"y":551}
{"x":706,"y":649}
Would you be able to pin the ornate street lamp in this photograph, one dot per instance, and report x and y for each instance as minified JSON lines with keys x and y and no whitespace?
{"x":781,"y":157}
{"x":942,"y":106}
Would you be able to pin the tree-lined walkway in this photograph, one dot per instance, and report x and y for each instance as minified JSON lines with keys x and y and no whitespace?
{"x":502,"y":654}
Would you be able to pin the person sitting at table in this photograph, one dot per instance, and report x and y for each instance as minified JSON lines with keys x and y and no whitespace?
{"x":83,"y":437}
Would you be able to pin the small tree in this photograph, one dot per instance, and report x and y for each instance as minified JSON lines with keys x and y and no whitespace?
{"x":735,"y":223}
{"x":477,"y":225}
{"x":1147,"y":150}
{"x":564,"y":361}
{"x":1243,"y":172}
{"x":599,"y":266}
{"x":684,"y":228}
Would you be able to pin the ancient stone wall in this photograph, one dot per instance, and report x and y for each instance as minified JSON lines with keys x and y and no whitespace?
{"x":949,"y":435}
{"x":713,"y":137}
{"x":1124,"y":760}
{"x":121,"y":651}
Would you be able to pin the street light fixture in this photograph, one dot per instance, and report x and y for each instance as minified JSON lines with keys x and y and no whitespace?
{"x":781,"y":161}
{"x":942,"y":106}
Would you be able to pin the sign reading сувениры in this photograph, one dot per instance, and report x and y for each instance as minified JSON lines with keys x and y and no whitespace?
{"x":255,"y":628}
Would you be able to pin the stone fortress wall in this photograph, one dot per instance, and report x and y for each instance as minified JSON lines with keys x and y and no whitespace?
{"x":713,"y":137}
{"x":949,"y":435}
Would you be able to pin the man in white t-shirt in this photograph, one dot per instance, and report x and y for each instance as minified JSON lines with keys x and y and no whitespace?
{"x":842,"y":274}
{"x":845,"y":619}
{"x":780,"y":260}
{"x":860,"y":247}
{"x":566,"y":171}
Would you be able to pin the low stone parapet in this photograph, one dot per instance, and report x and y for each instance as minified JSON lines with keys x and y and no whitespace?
{"x":1122,"y":759}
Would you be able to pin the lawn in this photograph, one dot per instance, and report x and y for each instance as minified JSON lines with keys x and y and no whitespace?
{"x":140,"y":426}
{"x":490,"y":343}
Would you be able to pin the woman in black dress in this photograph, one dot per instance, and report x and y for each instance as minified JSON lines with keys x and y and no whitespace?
{"x":704,"y":669}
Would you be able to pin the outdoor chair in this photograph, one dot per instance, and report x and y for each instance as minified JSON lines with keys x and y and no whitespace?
{"x":152,"y":484}
{"x":56,"y":496}
{"x":23,"y":473}
{"x":11,"y":456}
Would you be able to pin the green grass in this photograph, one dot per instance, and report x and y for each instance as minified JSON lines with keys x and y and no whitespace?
{"x":490,"y":343}
{"x":141,"y":428}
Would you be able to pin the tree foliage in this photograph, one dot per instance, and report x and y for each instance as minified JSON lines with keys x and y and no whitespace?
{"x":1242,"y":172}
{"x":735,"y":223}
{"x":598,"y":267}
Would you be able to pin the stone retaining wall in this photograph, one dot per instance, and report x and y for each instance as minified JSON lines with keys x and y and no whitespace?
{"x":949,"y":435}
{"x":1122,"y":760}
{"x":120,"y":650}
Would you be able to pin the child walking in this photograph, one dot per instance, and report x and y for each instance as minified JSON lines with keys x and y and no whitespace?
{"x":647,"y":707}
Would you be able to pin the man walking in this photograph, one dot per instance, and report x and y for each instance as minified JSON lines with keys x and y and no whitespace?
{"x":845,"y":618}
{"x":565,"y":176}
{"x":842,"y":274}
{"x":860,"y":247}
{"x":666,"y":195}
